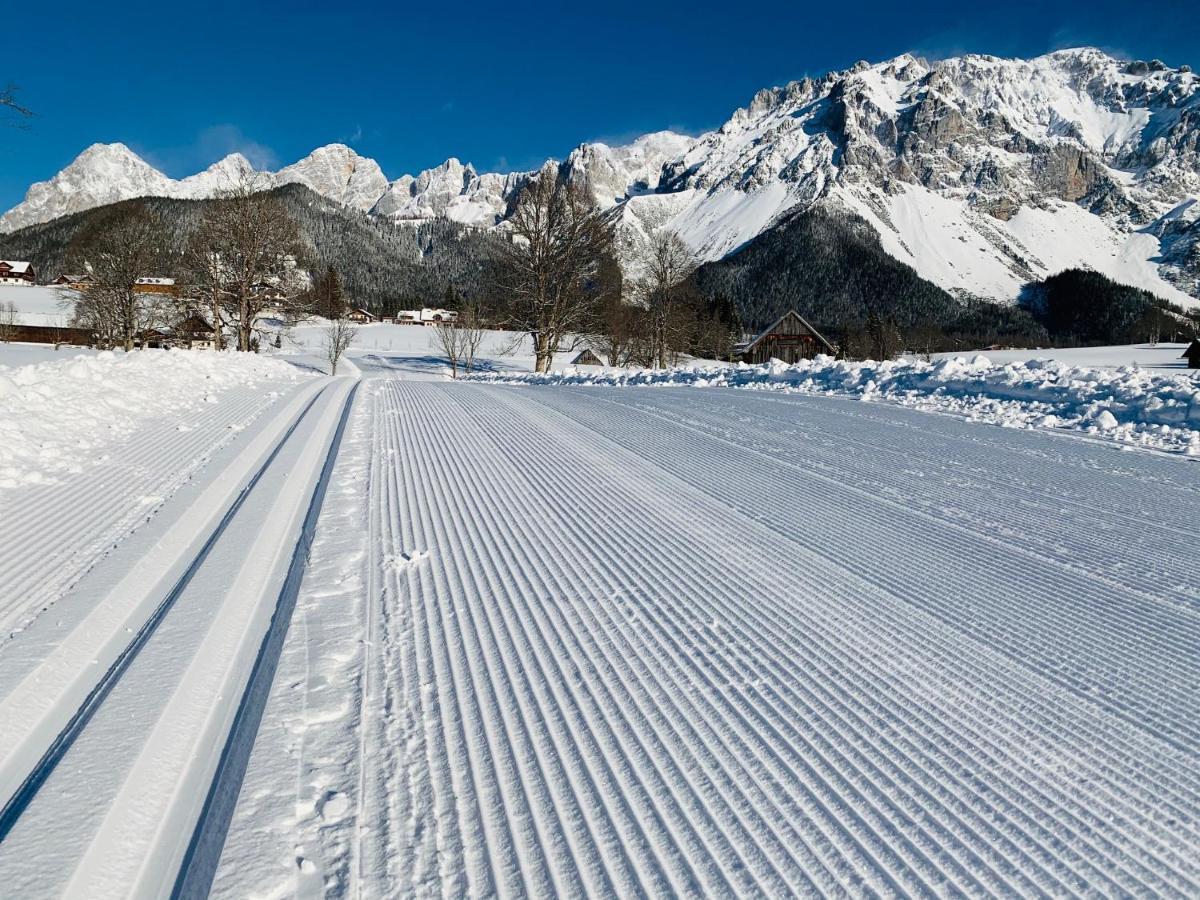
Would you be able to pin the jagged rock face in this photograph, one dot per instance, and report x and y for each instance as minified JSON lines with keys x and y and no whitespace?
{"x":337,"y":172}
{"x":453,"y":190}
{"x":103,"y":173}
{"x":980,"y":172}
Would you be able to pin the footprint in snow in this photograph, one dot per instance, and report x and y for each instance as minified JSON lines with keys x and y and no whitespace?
{"x":400,"y":561}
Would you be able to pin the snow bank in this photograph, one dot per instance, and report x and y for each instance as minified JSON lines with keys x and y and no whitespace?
{"x":1126,"y":404}
{"x":59,"y":417}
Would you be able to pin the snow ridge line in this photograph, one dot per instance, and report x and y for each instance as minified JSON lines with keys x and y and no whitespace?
{"x":16,"y":804}
{"x":203,"y":854}
{"x":799,"y":637}
{"x":1130,"y":405}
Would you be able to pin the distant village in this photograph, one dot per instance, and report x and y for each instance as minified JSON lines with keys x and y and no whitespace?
{"x":193,"y":330}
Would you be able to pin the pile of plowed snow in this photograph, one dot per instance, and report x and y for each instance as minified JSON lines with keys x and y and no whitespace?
{"x":1126,"y":404}
{"x":58,"y":417}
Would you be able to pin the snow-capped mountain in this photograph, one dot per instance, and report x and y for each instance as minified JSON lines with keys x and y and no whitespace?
{"x":108,"y":173}
{"x":982,"y":173}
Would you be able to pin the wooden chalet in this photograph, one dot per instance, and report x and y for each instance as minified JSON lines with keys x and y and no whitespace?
{"x":74,"y":282}
{"x":195,"y":333}
{"x":587,"y":358}
{"x":790,"y":339}
{"x":360,"y":315}
{"x":1192,"y":355}
{"x":14,"y":271}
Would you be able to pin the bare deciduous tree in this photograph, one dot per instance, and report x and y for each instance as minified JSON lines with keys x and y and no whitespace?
{"x":448,"y":338}
{"x":339,"y":334}
{"x":546,"y":272}
{"x":246,"y":249}
{"x":117,"y":250}
{"x":668,"y":264}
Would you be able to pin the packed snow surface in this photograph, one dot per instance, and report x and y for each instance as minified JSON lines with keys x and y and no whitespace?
{"x":1127,"y":404}
{"x":622,"y":641}
{"x":65,"y":416}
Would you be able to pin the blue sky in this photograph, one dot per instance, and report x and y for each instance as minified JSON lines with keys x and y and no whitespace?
{"x":501,"y":86}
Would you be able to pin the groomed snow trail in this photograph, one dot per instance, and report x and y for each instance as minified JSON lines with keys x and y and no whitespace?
{"x":626,"y":642}
{"x":122,"y":745}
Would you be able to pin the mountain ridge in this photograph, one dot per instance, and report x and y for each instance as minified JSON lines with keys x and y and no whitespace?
{"x":983,"y":173}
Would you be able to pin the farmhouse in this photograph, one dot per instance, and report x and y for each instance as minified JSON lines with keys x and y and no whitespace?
{"x":1192,"y":355}
{"x":789,"y":339}
{"x":14,"y":272}
{"x":360,"y":315}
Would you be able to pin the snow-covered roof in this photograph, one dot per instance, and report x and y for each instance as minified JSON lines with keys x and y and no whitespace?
{"x":163,"y":281}
{"x":16,"y":266}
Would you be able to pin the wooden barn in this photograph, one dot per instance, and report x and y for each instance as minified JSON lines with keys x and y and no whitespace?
{"x":789,"y":339}
{"x":1192,"y":355}
{"x":587,"y":358}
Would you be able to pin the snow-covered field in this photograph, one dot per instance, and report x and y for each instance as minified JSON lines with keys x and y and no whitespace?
{"x":1132,"y":405}
{"x":37,"y":305}
{"x":410,"y":351}
{"x":393,"y":636}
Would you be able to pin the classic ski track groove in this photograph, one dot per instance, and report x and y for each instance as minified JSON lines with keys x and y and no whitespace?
{"x":580,"y":684}
{"x":316,"y":405}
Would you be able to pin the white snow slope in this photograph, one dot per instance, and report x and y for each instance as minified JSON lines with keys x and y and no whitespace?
{"x":624,"y":641}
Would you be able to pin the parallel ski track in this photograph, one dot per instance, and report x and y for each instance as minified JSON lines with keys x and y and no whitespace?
{"x":608,"y":679}
{"x":105,"y":681}
{"x":79,"y":519}
{"x":1135,"y":658}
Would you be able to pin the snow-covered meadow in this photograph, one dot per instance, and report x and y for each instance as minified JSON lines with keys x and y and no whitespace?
{"x":1128,"y":404}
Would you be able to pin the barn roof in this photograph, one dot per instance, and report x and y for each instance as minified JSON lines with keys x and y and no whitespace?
{"x":745,"y":348}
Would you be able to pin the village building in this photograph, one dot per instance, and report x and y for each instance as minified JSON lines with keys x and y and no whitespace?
{"x":74,"y":282}
{"x":360,"y":316}
{"x":789,"y":339}
{"x":155,"y":285}
{"x":587,"y":358}
{"x":16,"y":272}
{"x":1192,"y":355}
{"x":195,"y":333}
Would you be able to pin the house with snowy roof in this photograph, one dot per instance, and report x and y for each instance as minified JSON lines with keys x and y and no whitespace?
{"x":14,"y":271}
